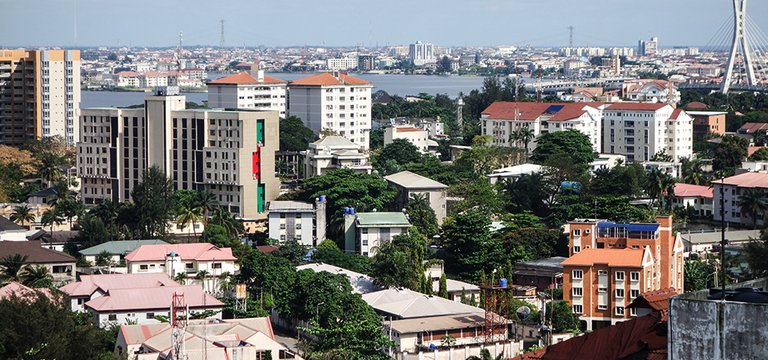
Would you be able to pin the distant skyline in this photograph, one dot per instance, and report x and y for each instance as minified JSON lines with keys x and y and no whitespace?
{"x":157,"y":23}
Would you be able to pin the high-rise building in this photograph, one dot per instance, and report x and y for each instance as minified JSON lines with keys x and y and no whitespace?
{"x":333,"y":102}
{"x":39,"y":95}
{"x":421,"y":54}
{"x":640,"y":130}
{"x":365,"y":62}
{"x":254,"y":91}
{"x":227,"y":153}
{"x":611,"y":264}
{"x":648,"y":47}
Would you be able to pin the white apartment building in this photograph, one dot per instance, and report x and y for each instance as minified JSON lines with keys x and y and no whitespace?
{"x":334,"y":152}
{"x":365,"y":232}
{"x":342,"y":63}
{"x":421,"y":54}
{"x":334,"y":102}
{"x":502,"y":119}
{"x":732,"y":188}
{"x":640,"y":130}
{"x":297,"y":221}
{"x":227,"y":153}
{"x":254,"y":91}
{"x":60,"y":93}
{"x":417,"y":137}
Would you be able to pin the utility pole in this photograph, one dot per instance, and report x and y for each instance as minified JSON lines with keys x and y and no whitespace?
{"x":570,"y":38}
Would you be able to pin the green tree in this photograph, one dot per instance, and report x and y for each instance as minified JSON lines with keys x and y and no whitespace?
{"x":485,"y":354}
{"x":228,"y":221}
{"x":443,"y":287}
{"x":36,"y":276}
{"x":153,"y":204}
{"x":401,"y":151}
{"x":188,"y":213}
{"x":293,"y":251}
{"x":51,"y":168}
{"x":692,"y":172}
{"x":469,"y":247}
{"x":523,"y":135}
{"x":759,"y":155}
{"x":51,"y":217}
{"x":658,"y":184}
{"x":69,"y":208}
{"x":661,"y":156}
{"x":752,"y":201}
{"x":562,"y":317}
{"x":12,"y":266}
{"x":399,"y":263}
{"x":328,"y":252}
{"x":421,"y":214}
{"x":728,"y":154}
{"x":22,"y":214}
{"x":294,"y":136}
{"x":218,"y":235}
{"x":755,"y":253}
{"x":571,"y":144}
{"x":698,"y":275}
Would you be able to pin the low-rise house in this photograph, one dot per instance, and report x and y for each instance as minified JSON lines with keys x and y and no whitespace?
{"x":709,"y":241}
{"x":544,"y":274}
{"x":60,"y":265}
{"x":117,"y":250}
{"x":698,"y":197}
{"x":297,"y":221}
{"x":142,"y":305}
{"x":91,"y":287}
{"x":11,"y":231}
{"x":178,"y":260}
{"x":409,"y":184}
{"x":365,"y":232}
{"x":16,"y":290}
{"x":361,"y":284}
{"x":418,"y":137}
{"x":250,"y":338}
{"x":335,"y":152}
{"x":733,"y":188}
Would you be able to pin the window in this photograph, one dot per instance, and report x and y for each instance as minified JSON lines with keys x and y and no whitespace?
{"x":577,"y":274}
{"x":602,"y":307}
{"x":602,"y":273}
{"x":577,"y":232}
{"x":576,"y":249}
{"x":619,"y":293}
{"x":143,"y":267}
{"x":619,"y":310}
{"x":634,"y":276}
{"x":578,"y":309}
{"x":189,"y":265}
{"x":577,"y":291}
{"x":633,"y":312}
{"x":150,"y":315}
{"x":217,"y":265}
{"x":602,"y":289}
{"x":112,"y":317}
{"x":619,"y":276}
{"x":634,"y":293}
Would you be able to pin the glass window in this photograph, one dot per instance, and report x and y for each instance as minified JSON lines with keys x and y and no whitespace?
{"x":577,"y":274}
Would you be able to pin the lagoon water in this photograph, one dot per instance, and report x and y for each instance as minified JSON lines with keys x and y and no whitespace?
{"x":393,"y":84}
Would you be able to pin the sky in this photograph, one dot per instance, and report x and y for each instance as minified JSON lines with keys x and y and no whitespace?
{"x":157,"y":23}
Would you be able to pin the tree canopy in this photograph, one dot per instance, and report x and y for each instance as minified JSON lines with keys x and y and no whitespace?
{"x":570,"y":144}
{"x":294,"y":136}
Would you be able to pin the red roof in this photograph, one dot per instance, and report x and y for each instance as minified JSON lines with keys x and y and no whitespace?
{"x":407,"y":129}
{"x":195,"y":251}
{"x":530,"y":111}
{"x":612,"y":257}
{"x":675,"y":114}
{"x":88,"y":284}
{"x":636,"y":106}
{"x":695,"y":105}
{"x":327,"y":79}
{"x":244,"y":78}
{"x":753,"y":149}
{"x":688,"y":190}
{"x":750,"y":180}
{"x":750,"y":127}
{"x":152,"y":298}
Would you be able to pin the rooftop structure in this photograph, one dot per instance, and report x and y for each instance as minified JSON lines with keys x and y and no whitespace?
{"x":361,"y":284}
{"x":407,"y":304}
{"x":116,"y":249}
{"x":409,"y":184}
{"x":249,"y":91}
{"x":93,"y":286}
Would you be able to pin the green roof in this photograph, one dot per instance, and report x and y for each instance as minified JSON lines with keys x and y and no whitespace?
{"x":382,"y":219}
{"x":119,"y":247}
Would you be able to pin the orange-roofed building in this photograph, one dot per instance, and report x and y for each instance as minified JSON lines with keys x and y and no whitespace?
{"x":612,"y":263}
{"x":640,"y":130}
{"x":501,"y":119}
{"x":334,"y":102}
{"x":249,"y":91}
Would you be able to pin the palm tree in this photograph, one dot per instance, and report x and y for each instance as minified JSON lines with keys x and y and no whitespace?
{"x":36,"y":276}
{"x":181,"y":278}
{"x":22,"y":214}
{"x":655,"y":184}
{"x":107,"y":211}
{"x":12,"y":266}
{"x":752,"y":201}
{"x":50,"y":168}
{"x":524,"y":135}
{"x":228,"y":221}
{"x":202,"y":275}
{"x":189,"y":214}
{"x":51,"y":217}
{"x":206,"y":202}
{"x":692,"y":171}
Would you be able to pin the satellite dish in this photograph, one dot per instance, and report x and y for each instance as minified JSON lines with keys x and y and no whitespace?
{"x":523,"y":312}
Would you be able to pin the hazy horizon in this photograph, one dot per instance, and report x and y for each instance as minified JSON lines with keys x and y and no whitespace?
{"x":340,"y":23}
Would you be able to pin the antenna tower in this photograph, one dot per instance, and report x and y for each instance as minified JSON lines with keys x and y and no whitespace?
{"x":179,"y":317}
{"x":178,"y":51}
{"x":739,"y":44}
{"x":221,"y":38}
{"x":570,"y":37}
{"x":495,"y":304}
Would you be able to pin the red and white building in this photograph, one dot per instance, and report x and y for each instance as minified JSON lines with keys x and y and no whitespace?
{"x":502,"y":118}
{"x":612,"y":263}
{"x":733,"y":187}
{"x":699,"y":197}
{"x":91,"y":287}
{"x":254,"y":91}
{"x":640,"y":130}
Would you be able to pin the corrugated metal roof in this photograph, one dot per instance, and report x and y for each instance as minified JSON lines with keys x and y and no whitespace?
{"x":404,"y":304}
{"x":121,"y":247}
{"x":382,"y":219}
{"x":411,"y":180}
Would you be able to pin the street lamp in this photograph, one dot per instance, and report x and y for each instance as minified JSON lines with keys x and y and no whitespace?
{"x":317,"y":312}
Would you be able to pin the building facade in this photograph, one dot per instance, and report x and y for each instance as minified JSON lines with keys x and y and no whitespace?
{"x":610,"y":264}
{"x":227,"y":153}
{"x":335,"y":152}
{"x":708,"y":122}
{"x":39,"y":95}
{"x":409,"y":184}
{"x":333,"y":102}
{"x":298,"y":221}
{"x":365,"y":232}
{"x":640,"y":130}
{"x":421,"y":54}
{"x":254,"y":91}
{"x":731,"y":189}
{"x":502,"y":119}
{"x":417,"y":137}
